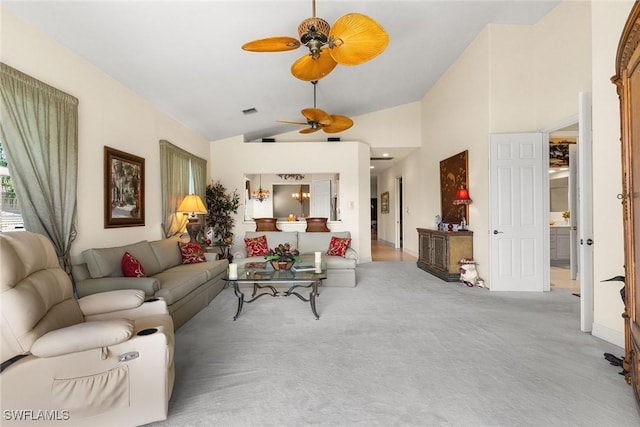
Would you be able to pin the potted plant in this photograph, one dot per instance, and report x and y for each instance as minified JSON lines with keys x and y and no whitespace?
{"x":282,"y":257}
{"x":220,"y":206}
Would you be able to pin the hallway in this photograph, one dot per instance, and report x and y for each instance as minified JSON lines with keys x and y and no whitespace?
{"x":383,"y":251}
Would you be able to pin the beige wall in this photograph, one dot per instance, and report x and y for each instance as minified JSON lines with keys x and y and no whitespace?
{"x":608,"y":18}
{"x":109,"y":114}
{"x":521,"y":79}
{"x":232,"y":158}
{"x":509,"y":79}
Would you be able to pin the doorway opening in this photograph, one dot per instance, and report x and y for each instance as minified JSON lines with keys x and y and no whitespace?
{"x":399,"y":210}
{"x":563,"y":212}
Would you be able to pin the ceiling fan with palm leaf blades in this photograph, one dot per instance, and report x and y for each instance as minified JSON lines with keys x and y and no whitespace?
{"x":353,"y":39}
{"x":318,"y":119}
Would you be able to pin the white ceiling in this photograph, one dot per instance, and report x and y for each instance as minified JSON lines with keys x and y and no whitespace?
{"x":185,"y":57}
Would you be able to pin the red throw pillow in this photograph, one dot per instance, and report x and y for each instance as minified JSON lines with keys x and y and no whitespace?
{"x":192,"y":253}
{"x":338,"y":246}
{"x":256,"y":246}
{"x":131,"y":267}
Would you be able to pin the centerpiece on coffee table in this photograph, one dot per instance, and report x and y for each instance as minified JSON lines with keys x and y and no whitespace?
{"x":282,"y":257}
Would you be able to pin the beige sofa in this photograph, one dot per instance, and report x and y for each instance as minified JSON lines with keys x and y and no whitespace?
{"x":341,"y":271}
{"x":186,"y":288}
{"x":105,"y":359}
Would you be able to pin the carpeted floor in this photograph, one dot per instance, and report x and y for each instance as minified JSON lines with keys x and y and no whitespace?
{"x":403,"y":348}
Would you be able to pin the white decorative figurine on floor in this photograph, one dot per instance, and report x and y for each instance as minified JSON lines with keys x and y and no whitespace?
{"x":468,"y":272}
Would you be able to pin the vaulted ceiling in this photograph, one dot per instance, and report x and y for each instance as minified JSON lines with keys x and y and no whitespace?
{"x":185,"y":56}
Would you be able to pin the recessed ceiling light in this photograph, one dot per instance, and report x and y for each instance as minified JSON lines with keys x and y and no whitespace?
{"x":385,"y":154}
{"x":372,"y":167}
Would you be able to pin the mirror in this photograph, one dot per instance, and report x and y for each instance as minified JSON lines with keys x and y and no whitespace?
{"x":291,"y":199}
{"x":303,"y":195}
{"x":559,"y":194}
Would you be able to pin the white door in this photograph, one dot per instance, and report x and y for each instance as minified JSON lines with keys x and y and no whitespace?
{"x":574,"y":219}
{"x":320,"y":199}
{"x":585,"y":202}
{"x":519,"y":229}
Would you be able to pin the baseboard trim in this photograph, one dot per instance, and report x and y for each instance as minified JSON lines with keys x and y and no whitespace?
{"x":608,"y":334}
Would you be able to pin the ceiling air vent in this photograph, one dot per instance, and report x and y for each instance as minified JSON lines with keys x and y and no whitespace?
{"x":251,"y":110}
{"x":381,"y":158}
{"x":268,"y":140}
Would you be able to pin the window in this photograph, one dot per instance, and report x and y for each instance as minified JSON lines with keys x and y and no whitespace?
{"x":10,"y":214}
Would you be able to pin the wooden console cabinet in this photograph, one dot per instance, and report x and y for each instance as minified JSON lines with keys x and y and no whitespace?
{"x":440,"y":251}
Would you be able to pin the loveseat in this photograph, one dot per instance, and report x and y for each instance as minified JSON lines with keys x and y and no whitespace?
{"x":186,"y":288}
{"x":105,"y":359}
{"x":341,"y":270}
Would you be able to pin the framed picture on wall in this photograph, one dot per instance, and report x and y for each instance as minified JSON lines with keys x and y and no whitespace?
{"x":384,"y":202}
{"x":453,"y":175}
{"x":559,"y":151}
{"x":123,"y":189}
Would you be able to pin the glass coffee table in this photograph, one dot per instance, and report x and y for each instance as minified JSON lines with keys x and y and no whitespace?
{"x":276,"y":283}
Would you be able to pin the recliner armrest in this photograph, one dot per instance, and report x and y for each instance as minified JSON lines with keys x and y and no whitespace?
{"x":108,"y":302}
{"x":150,"y":285}
{"x":82,"y":336}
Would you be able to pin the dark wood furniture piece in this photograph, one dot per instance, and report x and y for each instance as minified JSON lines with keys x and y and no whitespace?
{"x":266,"y":224}
{"x":627,"y":81}
{"x":440,"y":251}
{"x":316,"y":224}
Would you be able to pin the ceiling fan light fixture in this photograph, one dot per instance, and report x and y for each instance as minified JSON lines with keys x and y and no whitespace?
{"x":352,"y":40}
{"x":313,"y":29}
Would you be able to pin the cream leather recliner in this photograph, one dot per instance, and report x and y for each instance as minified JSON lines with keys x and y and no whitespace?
{"x":103,"y":360}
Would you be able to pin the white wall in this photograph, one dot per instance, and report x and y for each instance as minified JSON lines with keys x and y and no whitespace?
{"x":109,"y":114}
{"x":232,"y":158}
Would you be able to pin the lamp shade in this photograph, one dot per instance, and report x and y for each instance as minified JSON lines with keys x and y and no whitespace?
{"x":462,"y":197}
{"x":192,"y":203}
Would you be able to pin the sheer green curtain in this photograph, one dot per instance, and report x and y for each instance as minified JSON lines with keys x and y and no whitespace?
{"x":199,"y":176}
{"x":39,"y":131}
{"x":176,"y":168}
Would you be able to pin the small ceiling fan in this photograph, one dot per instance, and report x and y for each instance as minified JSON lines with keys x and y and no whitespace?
{"x":353,"y":39}
{"x":318,"y":119}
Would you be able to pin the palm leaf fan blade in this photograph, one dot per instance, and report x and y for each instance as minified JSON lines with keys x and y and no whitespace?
{"x":317,"y":115}
{"x":272,"y":44}
{"x":356,"y":38}
{"x":338,"y":124}
{"x":309,"y":130}
{"x":308,"y":68}
{"x":291,"y":122}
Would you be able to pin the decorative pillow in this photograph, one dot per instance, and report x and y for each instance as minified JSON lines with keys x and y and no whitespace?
{"x":256,"y":246}
{"x":192,"y":253}
{"x":338,"y":246}
{"x":131,"y":267}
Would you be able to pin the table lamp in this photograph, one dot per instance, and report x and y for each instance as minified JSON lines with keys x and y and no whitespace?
{"x":192,"y":205}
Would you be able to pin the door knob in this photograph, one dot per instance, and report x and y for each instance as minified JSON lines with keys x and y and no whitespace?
{"x":589,"y":242}
{"x":497,"y":232}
